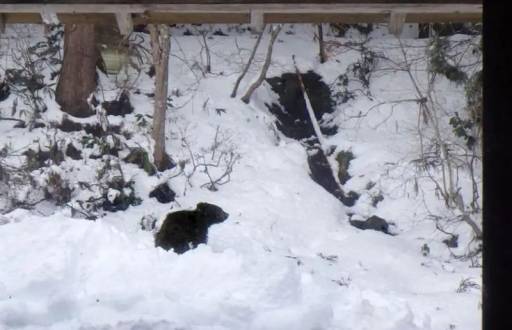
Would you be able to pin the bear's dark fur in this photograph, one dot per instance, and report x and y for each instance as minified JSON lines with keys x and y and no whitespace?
{"x":374,"y":222}
{"x":183,"y":230}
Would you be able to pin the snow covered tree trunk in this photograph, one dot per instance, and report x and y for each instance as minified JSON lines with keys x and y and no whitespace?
{"x":249,"y":62}
{"x":78,"y":75}
{"x":247,"y":97}
{"x":161,"y":47}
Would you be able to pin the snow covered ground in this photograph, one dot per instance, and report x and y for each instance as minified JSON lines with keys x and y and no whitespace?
{"x":287,"y":257}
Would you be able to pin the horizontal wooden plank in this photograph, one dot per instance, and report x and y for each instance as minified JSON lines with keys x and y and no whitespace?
{"x":233,"y":13}
{"x":191,"y":18}
{"x":239,"y":18}
{"x":306,"y":7}
{"x":443,"y":18}
{"x":15,"y":18}
{"x":243,"y":2}
{"x":324,"y":17}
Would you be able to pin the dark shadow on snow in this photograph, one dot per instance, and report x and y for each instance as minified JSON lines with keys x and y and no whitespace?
{"x":293,"y":121}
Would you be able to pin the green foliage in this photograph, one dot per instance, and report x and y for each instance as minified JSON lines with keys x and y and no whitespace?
{"x":462,"y":129}
{"x":117,"y":194}
{"x":37,"y":159}
{"x":140,"y":157}
{"x":359,"y":72}
{"x":124,"y":198}
{"x":363,"y":68}
{"x":141,"y":120}
{"x":107,"y":145}
{"x":438,"y":56}
{"x":57,"y":189}
{"x":25,"y":79}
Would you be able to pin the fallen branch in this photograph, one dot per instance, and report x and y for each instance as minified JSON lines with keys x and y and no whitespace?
{"x":309,"y":107}
{"x":316,"y":126}
{"x":12,"y":119}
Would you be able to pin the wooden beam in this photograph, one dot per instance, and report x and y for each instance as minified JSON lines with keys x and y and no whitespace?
{"x":2,"y":23}
{"x":191,"y":18}
{"x":49,"y":16}
{"x":317,"y":18}
{"x":233,"y":1}
{"x":396,"y":23}
{"x":257,"y":22}
{"x":125,"y":23}
{"x":233,"y":13}
{"x":443,"y":18}
{"x":23,"y":18}
{"x":242,"y":7}
{"x":96,"y":19}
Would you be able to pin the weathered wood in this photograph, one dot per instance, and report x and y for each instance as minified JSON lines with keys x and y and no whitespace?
{"x":125,"y":23}
{"x":233,"y":12}
{"x":257,"y":22}
{"x":396,"y":23}
{"x":96,"y":19}
{"x":443,"y":18}
{"x":325,"y":18}
{"x":16,"y":18}
{"x":2,"y":23}
{"x":49,"y":16}
{"x":191,"y":18}
{"x":349,"y":7}
{"x":235,"y":1}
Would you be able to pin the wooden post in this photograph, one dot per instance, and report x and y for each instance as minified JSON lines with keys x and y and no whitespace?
{"x":49,"y":17}
{"x":2,"y":23}
{"x":125,"y":23}
{"x":257,"y":22}
{"x":396,"y":23}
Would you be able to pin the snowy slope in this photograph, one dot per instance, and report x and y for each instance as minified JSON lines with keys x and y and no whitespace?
{"x":286,"y":258}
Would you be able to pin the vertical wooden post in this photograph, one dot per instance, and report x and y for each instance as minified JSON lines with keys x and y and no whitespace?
{"x":2,"y":23}
{"x":125,"y":23}
{"x":396,"y":23}
{"x":257,"y":22}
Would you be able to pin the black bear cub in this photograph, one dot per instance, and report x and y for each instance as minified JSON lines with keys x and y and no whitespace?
{"x":183,"y":230}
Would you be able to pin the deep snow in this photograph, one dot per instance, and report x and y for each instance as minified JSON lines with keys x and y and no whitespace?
{"x":286,"y":258}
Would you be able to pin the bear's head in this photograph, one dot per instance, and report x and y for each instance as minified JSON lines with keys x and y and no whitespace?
{"x":211,"y":213}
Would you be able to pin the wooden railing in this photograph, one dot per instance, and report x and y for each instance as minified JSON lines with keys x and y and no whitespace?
{"x":256,"y":12}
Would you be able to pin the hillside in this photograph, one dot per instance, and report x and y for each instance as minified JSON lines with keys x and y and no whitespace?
{"x":287,"y":257}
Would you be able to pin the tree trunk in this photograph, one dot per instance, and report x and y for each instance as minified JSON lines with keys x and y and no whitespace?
{"x":78,"y":75}
{"x":161,"y":47}
{"x":249,"y":62}
{"x":321,"y":44}
{"x":247,"y":97}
